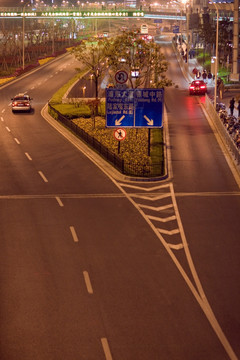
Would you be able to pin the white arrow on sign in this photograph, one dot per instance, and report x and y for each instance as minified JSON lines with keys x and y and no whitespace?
{"x":149,"y":122}
{"x":118,"y":122}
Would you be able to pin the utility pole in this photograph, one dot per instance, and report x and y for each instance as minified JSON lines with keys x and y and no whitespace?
{"x":234,"y":76}
{"x":216,"y":59}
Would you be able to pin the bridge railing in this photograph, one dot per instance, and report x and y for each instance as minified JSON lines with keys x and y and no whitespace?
{"x":222,"y":130}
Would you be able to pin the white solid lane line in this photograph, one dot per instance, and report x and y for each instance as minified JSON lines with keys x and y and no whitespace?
{"x":88,"y":282}
{"x":74,"y":235}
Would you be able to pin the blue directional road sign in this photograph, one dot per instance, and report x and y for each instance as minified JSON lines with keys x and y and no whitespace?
{"x":176,"y":29}
{"x":119,"y":107}
{"x":134,"y":108}
{"x":149,"y":108}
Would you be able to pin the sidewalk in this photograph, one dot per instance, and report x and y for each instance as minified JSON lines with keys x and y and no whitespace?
{"x":227,"y":96}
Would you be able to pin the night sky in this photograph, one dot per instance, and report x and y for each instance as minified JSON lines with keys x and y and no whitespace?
{"x":18,"y":3}
{"x":9,"y":3}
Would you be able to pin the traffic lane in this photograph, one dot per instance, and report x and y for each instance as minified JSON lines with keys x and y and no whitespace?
{"x":139,"y":302}
{"x":64,"y":168}
{"x":84,"y":88}
{"x":46,"y":309}
{"x":147,"y":309}
{"x":18,"y":173}
{"x":211,"y":228}
{"x":43,"y":152}
{"x":48,"y":78}
{"x":174,"y":71}
{"x":197,"y":160}
{"x":198,"y":166}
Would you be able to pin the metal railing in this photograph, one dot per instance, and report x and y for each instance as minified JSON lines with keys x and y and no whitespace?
{"x":222,"y":130}
{"x":126,"y":168}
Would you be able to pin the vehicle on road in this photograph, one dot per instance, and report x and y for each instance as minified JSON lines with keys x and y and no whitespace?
{"x":197,"y":87}
{"x":21,"y":102}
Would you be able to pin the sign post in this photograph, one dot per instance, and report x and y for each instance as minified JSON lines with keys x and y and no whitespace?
{"x":119,"y":135}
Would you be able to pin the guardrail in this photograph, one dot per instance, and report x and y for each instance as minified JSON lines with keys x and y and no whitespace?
{"x":222,"y":130}
{"x":126,"y":168}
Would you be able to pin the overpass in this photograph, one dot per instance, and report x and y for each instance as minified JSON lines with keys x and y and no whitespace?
{"x":90,"y":14}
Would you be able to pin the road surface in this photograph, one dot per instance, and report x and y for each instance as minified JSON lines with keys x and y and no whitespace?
{"x":98,"y":269}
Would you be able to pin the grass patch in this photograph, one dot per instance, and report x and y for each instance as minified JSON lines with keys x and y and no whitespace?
{"x":134,"y":149}
{"x":5,"y":80}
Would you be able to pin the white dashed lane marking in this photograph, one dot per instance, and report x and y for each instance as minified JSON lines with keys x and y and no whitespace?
{"x":43,"y":176}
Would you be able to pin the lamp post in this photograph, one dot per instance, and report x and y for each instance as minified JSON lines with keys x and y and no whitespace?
{"x":216,"y":59}
{"x":23,"y":32}
{"x":185,"y":2}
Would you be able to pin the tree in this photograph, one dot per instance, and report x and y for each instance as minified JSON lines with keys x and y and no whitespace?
{"x":225,"y":37}
{"x":92,"y":55}
{"x":207,"y":34}
{"x":130,"y":52}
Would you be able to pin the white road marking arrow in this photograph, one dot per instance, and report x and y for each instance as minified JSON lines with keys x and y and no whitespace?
{"x":118,"y":122}
{"x":149,"y":122}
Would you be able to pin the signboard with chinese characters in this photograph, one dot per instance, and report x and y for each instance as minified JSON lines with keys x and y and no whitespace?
{"x":134,"y":108}
{"x":119,"y":107}
{"x":176,"y":29}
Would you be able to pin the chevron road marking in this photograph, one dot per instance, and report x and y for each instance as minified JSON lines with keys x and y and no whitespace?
{"x":156,"y":208}
{"x":196,"y":287}
{"x":168,"y":232}
{"x":151,"y":198}
{"x":176,"y":247}
{"x":143,"y":188}
{"x":170,"y":218}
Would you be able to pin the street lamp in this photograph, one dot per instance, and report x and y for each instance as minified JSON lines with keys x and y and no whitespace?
{"x":216,"y":59}
{"x":23,"y":32}
{"x":186,"y":3}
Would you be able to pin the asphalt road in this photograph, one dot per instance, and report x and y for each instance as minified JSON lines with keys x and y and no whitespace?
{"x":93,"y":268}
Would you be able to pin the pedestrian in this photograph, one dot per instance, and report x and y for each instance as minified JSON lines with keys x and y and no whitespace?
{"x":221,"y":89}
{"x":198,"y":74}
{"x":219,"y":80}
{"x":209,"y":76}
{"x":231,"y":106}
{"x":195,"y":71}
{"x":204,"y":75}
{"x":238,"y":108}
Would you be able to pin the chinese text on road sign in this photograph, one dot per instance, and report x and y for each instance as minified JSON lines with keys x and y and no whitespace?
{"x":134,"y":108}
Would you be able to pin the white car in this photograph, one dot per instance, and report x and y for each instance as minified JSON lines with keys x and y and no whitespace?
{"x":21,"y":102}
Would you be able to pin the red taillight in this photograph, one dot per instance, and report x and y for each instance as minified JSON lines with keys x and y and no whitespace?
{"x":26,"y":104}
{"x":203,"y":87}
{"x":192,"y":87}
